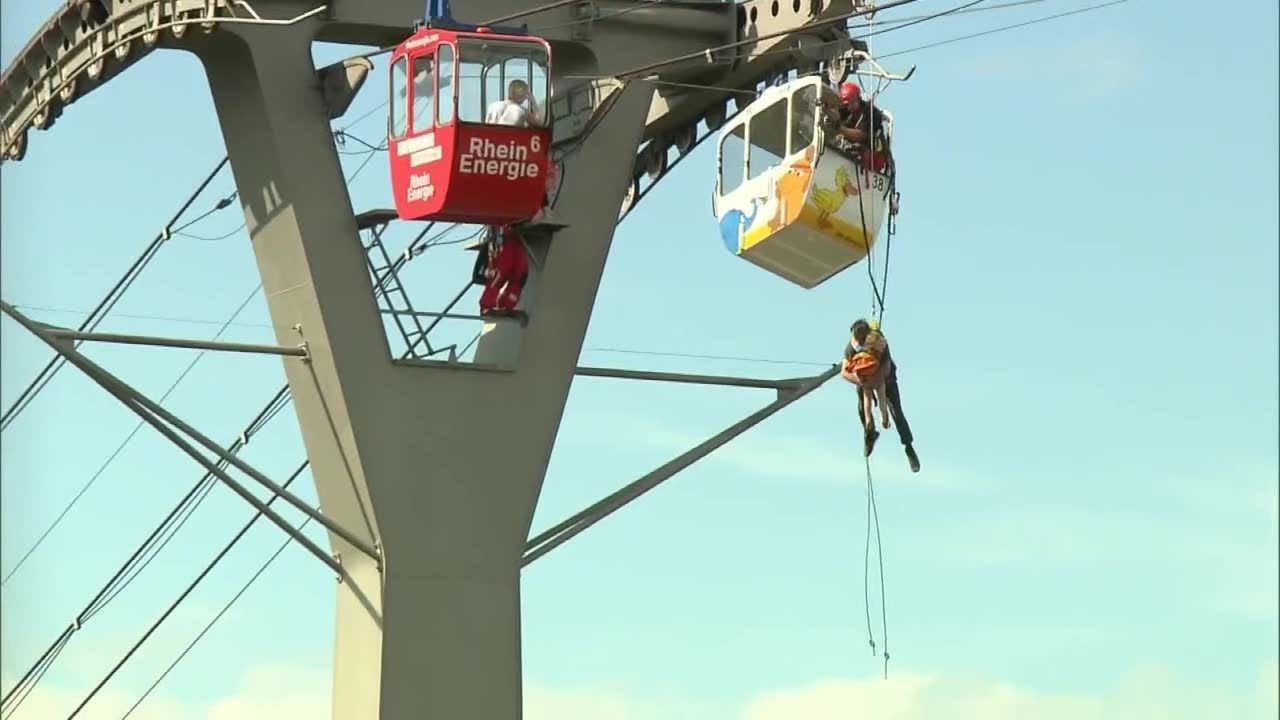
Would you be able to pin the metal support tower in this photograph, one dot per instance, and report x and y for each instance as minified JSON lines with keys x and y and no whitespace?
{"x":436,"y":467}
{"x":405,"y":456}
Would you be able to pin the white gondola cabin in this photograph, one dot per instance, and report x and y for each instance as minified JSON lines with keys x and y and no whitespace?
{"x":786,"y":199}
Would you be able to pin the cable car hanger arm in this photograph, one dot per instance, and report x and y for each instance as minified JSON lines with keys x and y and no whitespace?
{"x":768,"y":36}
{"x":859,"y":57}
{"x":439,"y":14}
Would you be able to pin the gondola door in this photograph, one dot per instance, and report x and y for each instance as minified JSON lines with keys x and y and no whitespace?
{"x":421,"y":125}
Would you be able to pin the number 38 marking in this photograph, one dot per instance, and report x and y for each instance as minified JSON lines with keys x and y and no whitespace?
{"x":877,"y":182}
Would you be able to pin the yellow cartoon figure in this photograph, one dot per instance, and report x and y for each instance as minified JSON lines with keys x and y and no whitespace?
{"x":829,"y":202}
{"x":790,"y":190}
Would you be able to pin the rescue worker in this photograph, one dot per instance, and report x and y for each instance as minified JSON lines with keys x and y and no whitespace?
{"x":512,"y":110}
{"x":505,"y":273}
{"x":862,"y":126}
{"x":860,"y":330}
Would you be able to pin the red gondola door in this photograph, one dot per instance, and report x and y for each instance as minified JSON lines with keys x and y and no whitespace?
{"x":419,"y":145}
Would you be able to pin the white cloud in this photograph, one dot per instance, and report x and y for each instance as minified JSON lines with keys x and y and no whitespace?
{"x":541,"y":703}
{"x":47,"y":701}
{"x":1100,"y":66}
{"x":283,"y":692}
{"x":276,"y":692}
{"x":265,"y":692}
{"x":1079,"y":68}
{"x":1143,"y":694}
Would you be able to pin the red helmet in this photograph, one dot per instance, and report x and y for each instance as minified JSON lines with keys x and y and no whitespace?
{"x":848,"y":92}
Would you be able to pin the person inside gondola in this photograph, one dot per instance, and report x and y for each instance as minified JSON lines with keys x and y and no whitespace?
{"x":512,"y":111}
{"x":861,"y":330}
{"x":856,"y":121}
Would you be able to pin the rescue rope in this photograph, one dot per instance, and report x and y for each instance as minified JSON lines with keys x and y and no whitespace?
{"x":878,"y":292}
{"x":873,"y":514}
{"x":877,"y":297}
{"x":866,"y":566}
{"x":890,"y":226}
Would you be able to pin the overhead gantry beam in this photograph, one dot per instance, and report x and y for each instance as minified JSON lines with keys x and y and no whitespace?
{"x":166,"y":423}
{"x":88,"y":42}
{"x":691,"y":379}
{"x":156,"y":341}
{"x":560,"y":533}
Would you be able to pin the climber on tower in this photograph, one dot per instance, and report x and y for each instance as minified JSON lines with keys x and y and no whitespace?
{"x":503,"y":266}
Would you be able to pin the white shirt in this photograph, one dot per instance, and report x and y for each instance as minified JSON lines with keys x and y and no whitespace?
{"x":505,"y":112}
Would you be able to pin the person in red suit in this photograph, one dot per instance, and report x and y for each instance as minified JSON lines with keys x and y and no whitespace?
{"x":506,"y":269}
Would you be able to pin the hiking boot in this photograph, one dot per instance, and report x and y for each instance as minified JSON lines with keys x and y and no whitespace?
{"x":869,"y":442}
{"x":913,"y":459}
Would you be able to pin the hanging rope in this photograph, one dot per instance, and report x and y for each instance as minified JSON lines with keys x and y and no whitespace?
{"x":873,"y":514}
{"x":878,"y":294}
{"x":877,"y":298}
{"x":866,"y":566}
{"x":877,"y":289}
{"x":884,"y":617}
{"x":890,"y":224}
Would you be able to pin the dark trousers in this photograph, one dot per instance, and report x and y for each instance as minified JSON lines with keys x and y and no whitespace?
{"x":895,"y":403}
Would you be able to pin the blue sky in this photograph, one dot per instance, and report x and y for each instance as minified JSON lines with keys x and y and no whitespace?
{"x":1089,"y":212}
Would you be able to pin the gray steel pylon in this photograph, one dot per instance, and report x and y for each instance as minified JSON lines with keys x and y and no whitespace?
{"x":438,"y":468}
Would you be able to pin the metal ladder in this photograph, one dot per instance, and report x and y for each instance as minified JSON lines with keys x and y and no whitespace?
{"x":389,"y":291}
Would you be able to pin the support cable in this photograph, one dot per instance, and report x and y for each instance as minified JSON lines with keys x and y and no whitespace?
{"x":281,"y":400}
{"x":940,"y":43}
{"x":98,"y":314}
{"x":992,"y":31}
{"x":703,"y":54}
{"x":111,"y":458}
{"x":113,"y":585}
{"x":562,"y":532}
{"x":278,"y":402}
{"x":22,"y":689}
{"x":1015,"y":26}
{"x":642,"y":192}
{"x":181,"y":597}
{"x":209,"y":625}
{"x":208,"y":484}
{"x":104,"y":307}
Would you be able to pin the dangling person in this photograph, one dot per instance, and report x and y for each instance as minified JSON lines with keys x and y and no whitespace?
{"x":865,"y":365}
{"x":860,"y":330}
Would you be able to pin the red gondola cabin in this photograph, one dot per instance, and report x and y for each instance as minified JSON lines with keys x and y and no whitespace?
{"x":468,"y":126}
